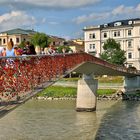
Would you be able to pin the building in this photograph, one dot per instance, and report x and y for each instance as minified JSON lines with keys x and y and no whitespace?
{"x":17,"y":35}
{"x":126,"y":32}
{"x":79,"y":41}
{"x":76,"y":46}
{"x":56,"y":41}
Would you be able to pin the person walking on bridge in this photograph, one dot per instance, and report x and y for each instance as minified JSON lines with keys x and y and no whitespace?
{"x":10,"y":49}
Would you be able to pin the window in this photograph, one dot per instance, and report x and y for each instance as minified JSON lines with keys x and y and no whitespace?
{"x":92,"y":35}
{"x":117,"y":24}
{"x":92,"y":46}
{"x":129,"y":44}
{"x":4,"y":41}
{"x":130,"y":65}
{"x":116,"y":33}
{"x":54,"y":43}
{"x":129,"y":55}
{"x":105,"y":35}
{"x":17,"y":40}
{"x":129,"y":33}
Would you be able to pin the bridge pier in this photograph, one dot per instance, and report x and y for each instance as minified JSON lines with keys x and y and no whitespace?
{"x":131,"y":84}
{"x":86,"y":93}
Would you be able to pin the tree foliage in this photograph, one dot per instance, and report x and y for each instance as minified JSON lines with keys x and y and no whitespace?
{"x":113,"y":53}
{"x":22,"y":44}
{"x":40,"y":39}
{"x":60,"y":49}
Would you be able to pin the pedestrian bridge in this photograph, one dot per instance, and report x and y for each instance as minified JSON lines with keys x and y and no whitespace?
{"x":24,"y":76}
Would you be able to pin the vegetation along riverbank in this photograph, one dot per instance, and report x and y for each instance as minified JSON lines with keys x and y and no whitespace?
{"x":66,"y":89}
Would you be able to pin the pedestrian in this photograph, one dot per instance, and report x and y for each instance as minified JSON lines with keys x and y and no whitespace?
{"x":10,"y":49}
{"x":29,"y":49}
{"x":4,"y":52}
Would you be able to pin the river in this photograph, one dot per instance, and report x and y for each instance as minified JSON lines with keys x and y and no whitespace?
{"x":58,"y":120}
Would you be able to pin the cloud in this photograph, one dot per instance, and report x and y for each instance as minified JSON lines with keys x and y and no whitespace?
{"x":16,"y":19}
{"x":118,"y":11}
{"x":123,"y":10}
{"x":90,"y":17}
{"x":48,"y":3}
{"x":53,"y":23}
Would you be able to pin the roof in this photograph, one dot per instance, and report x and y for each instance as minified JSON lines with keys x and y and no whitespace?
{"x":126,"y":22}
{"x":18,"y":31}
{"x":119,"y":23}
{"x":56,"y":38}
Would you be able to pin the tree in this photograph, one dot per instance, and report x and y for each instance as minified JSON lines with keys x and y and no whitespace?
{"x":60,"y":49}
{"x":22,"y":44}
{"x":113,"y":53}
{"x":40,"y":39}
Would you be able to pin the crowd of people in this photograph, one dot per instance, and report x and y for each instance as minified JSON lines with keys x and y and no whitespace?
{"x":15,"y":50}
{"x":28,"y":49}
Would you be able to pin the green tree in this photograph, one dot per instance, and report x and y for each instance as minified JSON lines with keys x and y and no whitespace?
{"x":113,"y":53}
{"x":40,"y":39}
{"x":22,"y":44}
{"x":60,"y":49}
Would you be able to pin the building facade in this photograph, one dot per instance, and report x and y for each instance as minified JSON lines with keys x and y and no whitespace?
{"x":125,"y":32}
{"x":17,"y":35}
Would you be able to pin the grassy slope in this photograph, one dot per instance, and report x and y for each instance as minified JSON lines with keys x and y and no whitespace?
{"x":59,"y":91}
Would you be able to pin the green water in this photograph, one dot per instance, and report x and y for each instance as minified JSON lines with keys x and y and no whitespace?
{"x":58,"y":120}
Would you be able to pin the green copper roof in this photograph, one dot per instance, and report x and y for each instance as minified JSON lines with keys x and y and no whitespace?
{"x":19,"y":31}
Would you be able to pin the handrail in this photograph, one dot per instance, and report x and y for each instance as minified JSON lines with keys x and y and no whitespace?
{"x":21,"y":74}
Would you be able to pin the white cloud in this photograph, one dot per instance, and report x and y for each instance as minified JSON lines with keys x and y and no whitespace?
{"x":50,"y":3}
{"x":91,"y":17}
{"x":16,"y":19}
{"x":118,"y":11}
{"x":123,"y":10}
{"x":53,"y":23}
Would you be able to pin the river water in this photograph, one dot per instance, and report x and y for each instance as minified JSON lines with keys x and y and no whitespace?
{"x":58,"y":120}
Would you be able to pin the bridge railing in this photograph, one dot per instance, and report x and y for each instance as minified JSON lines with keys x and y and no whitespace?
{"x":19,"y":75}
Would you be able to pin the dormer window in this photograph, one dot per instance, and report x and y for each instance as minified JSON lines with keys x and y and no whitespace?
{"x":117,"y":24}
{"x":105,"y":25}
{"x":130,"y":22}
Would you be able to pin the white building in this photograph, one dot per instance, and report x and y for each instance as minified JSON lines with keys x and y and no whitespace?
{"x":126,"y":32}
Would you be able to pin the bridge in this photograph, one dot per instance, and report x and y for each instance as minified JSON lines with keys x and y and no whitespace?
{"x":23,"y":77}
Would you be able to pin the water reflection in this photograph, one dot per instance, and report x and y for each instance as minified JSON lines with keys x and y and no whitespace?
{"x":120,"y":122}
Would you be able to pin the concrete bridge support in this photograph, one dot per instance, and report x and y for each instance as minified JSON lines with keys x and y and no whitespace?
{"x":131,"y":84}
{"x":86,"y":93}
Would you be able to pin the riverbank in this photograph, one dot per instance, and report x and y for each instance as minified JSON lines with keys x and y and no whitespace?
{"x":57,"y":92}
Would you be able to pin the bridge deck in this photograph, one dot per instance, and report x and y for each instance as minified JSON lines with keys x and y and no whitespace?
{"x":20,"y":75}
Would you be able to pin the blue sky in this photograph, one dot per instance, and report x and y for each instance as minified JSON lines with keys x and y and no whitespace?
{"x":64,"y":18}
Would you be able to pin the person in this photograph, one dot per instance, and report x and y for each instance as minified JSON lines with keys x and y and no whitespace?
{"x":10,"y":49}
{"x":32,"y":49}
{"x":46,"y":50}
{"x":51,"y":50}
{"x":18,"y":50}
{"x":4,"y":52}
{"x":1,"y":50}
{"x":29,"y":49}
{"x":26,"y":50}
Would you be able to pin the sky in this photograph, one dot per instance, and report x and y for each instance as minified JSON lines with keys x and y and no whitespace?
{"x":64,"y":18}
